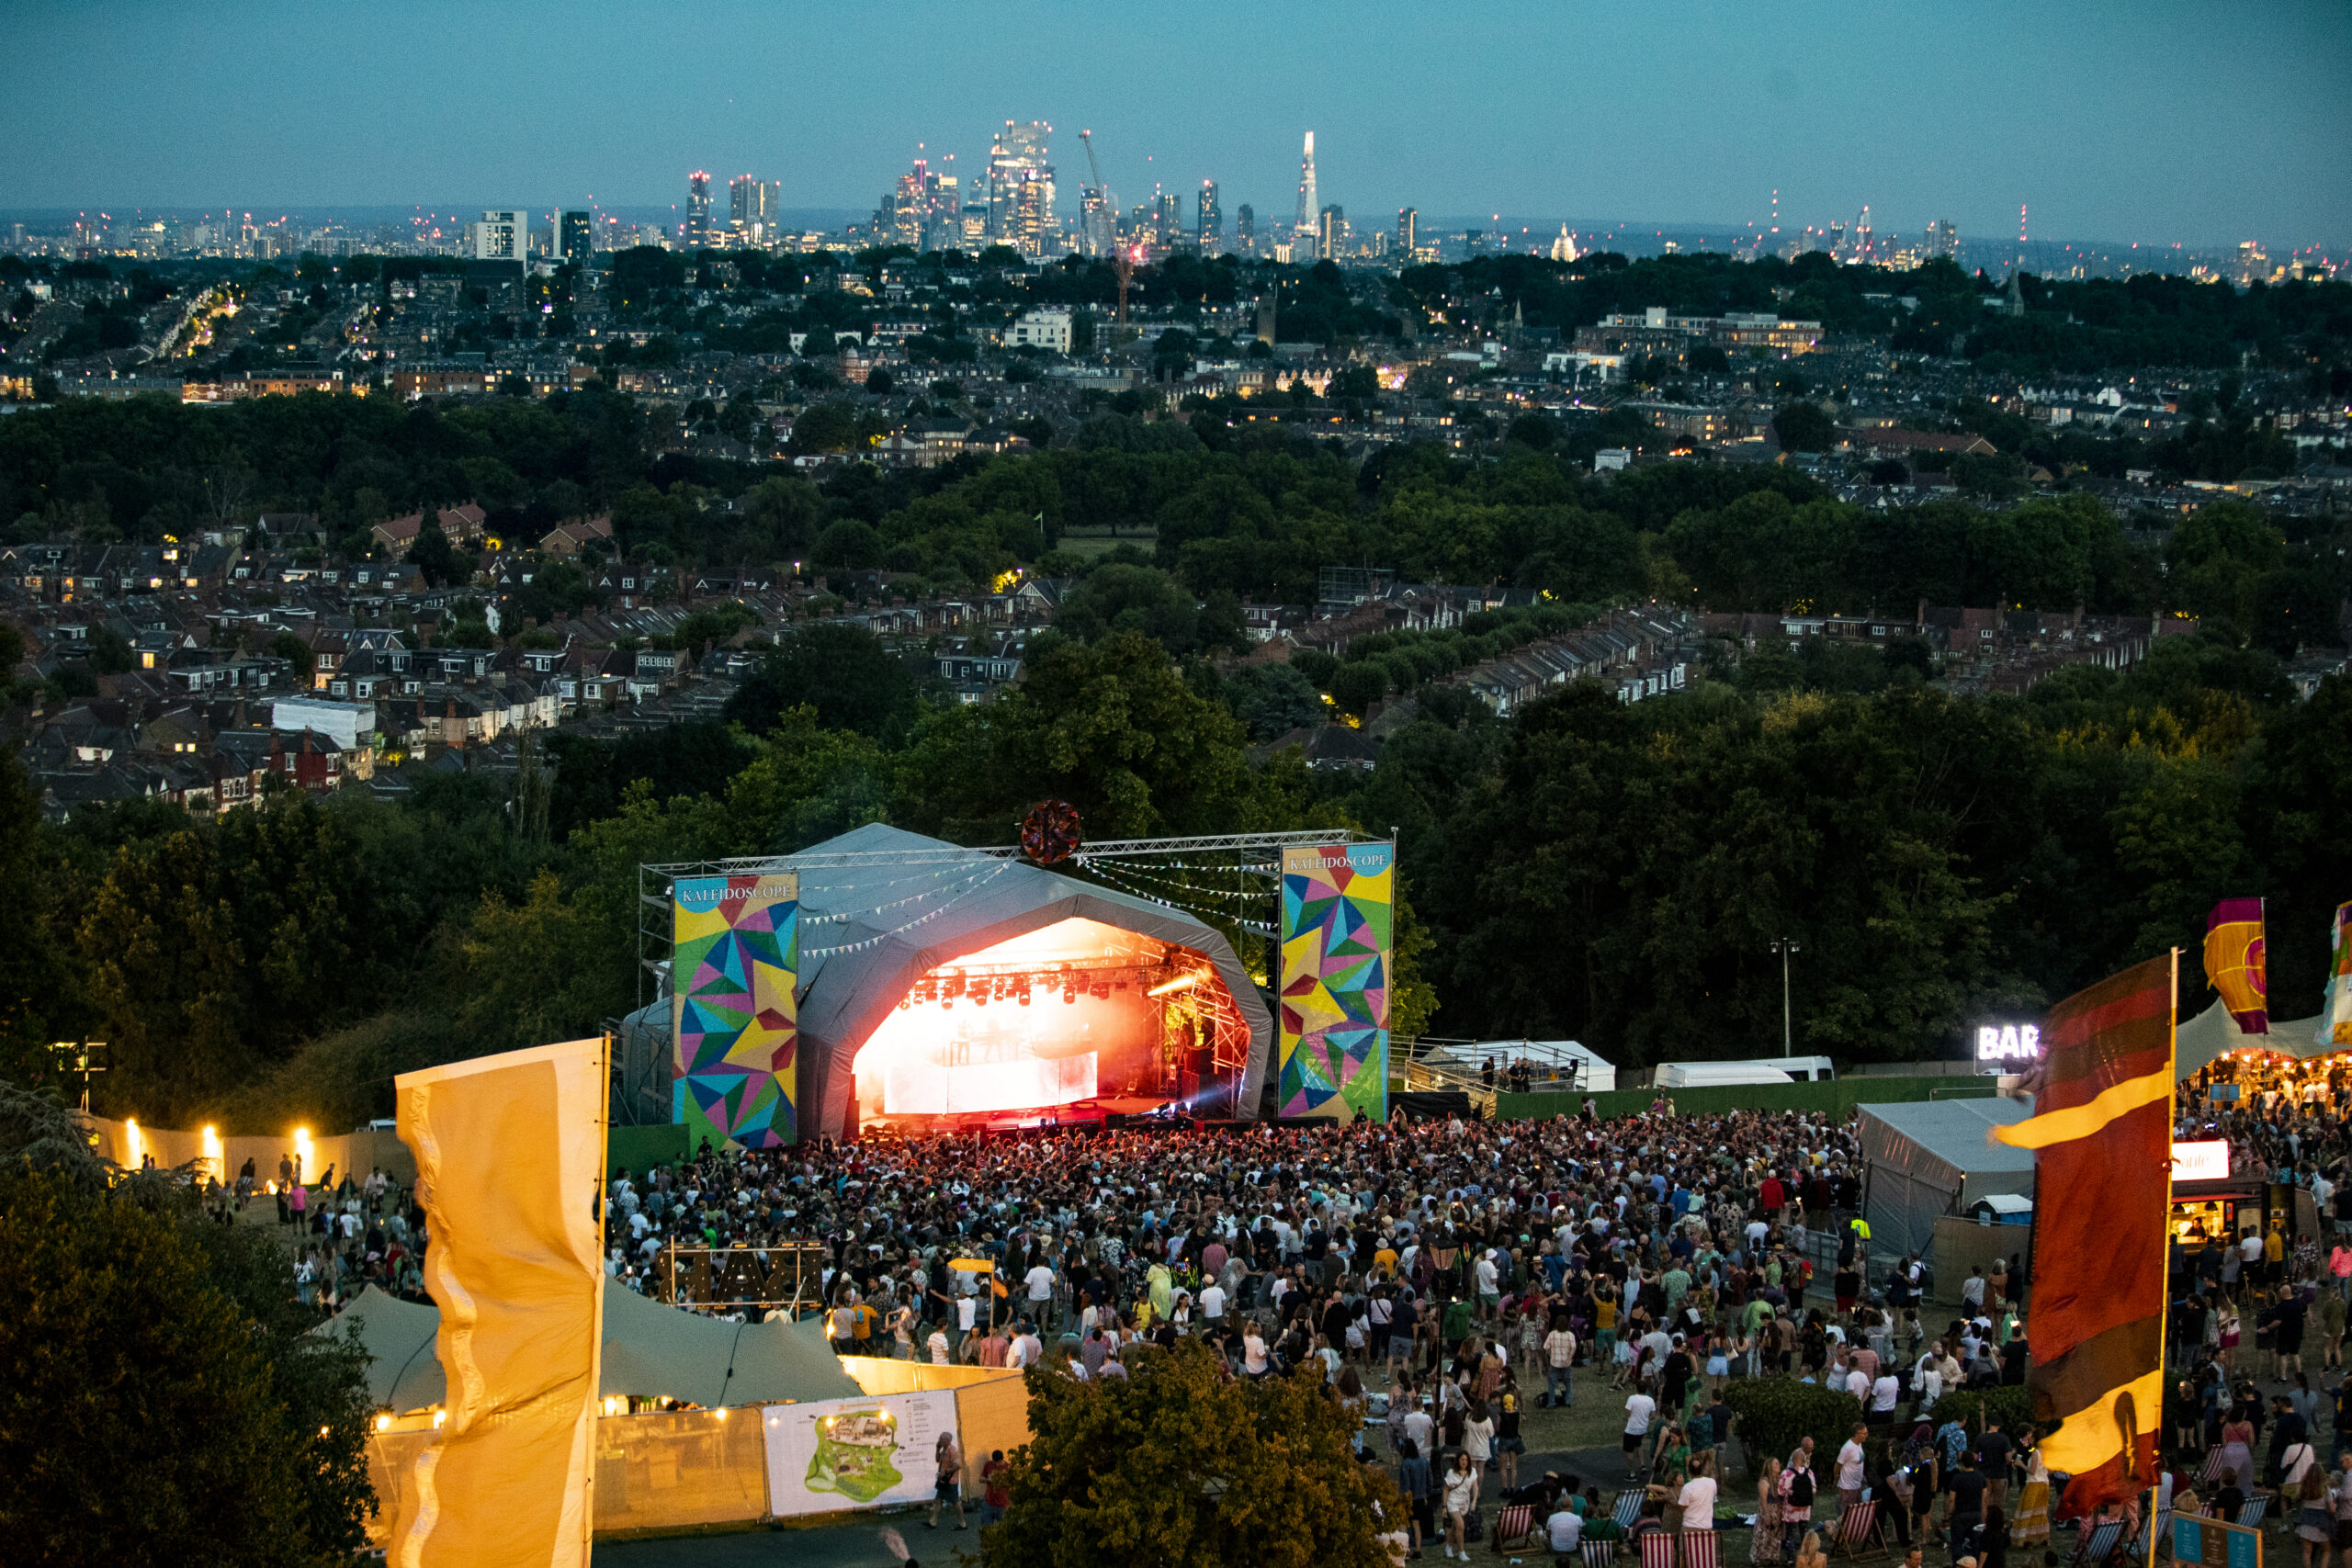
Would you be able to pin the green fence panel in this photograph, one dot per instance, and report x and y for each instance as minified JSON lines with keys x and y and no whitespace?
{"x":1712,"y":1100}
{"x":638,"y":1148}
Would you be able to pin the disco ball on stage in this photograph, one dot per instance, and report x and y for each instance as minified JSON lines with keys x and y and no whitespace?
{"x":1050,"y":831}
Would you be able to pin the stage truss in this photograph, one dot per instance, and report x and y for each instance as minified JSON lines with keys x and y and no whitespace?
{"x":1231,"y":881}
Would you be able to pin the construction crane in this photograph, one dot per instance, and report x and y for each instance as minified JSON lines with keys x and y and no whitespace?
{"x":1122,"y":260}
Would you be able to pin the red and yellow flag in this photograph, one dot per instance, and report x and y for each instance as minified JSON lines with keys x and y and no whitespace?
{"x":2235,"y":962}
{"x":509,"y":1167}
{"x":2101,"y":1134}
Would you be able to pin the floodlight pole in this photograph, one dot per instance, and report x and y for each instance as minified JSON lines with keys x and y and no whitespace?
{"x":1785,"y":946}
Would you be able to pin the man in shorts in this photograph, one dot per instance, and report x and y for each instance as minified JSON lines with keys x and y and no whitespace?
{"x":1639,"y":1408}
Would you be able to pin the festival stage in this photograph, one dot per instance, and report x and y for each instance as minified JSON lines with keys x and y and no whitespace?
{"x":884,"y":980}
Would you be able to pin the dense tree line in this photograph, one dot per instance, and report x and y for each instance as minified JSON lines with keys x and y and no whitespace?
{"x":1591,"y":869}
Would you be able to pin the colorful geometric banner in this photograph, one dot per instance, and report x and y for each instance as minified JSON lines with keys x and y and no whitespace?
{"x":1337,"y":905}
{"x":2336,"y":1013}
{"x":734,"y":959}
{"x":2235,"y":962}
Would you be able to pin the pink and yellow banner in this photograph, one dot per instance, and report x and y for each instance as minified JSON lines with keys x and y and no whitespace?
{"x":2235,"y":962}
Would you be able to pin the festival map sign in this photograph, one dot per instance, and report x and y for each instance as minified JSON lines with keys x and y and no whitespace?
{"x":833,"y":1454}
{"x":734,"y":959}
{"x":1338,"y":902}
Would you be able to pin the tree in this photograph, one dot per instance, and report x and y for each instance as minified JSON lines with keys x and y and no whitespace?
{"x":285,"y":645}
{"x":841,"y":672}
{"x":1804,"y":427}
{"x":435,"y":556}
{"x":152,"y":1412}
{"x":1274,"y":699}
{"x":36,"y":996}
{"x":1181,"y":1463}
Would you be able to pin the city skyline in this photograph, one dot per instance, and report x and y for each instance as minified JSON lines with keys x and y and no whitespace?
{"x":2159,"y":126}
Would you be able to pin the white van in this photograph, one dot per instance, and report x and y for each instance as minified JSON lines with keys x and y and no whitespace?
{"x":1711,"y":1075}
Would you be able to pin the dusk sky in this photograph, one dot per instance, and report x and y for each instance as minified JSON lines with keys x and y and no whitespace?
{"x":2197,"y":123}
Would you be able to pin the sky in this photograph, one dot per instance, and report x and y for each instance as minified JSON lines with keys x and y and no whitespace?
{"x":2155,"y":120}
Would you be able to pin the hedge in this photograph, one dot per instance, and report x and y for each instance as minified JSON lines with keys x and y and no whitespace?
{"x":2012,"y":1404}
{"x":1772,"y":1415}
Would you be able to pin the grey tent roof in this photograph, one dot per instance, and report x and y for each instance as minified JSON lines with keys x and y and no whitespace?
{"x":398,"y":1336}
{"x":2201,"y":1039}
{"x":652,"y":1351}
{"x":868,"y":932}
{"x":1929,"y":1157}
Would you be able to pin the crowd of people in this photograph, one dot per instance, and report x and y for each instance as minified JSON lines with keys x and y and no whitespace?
{"x":1445,"y":1278}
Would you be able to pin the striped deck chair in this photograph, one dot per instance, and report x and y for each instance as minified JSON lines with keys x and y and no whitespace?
{"x":1657,"y":1548}
{"x":1513,"y":1526}
{"x":2211,"y":1472}
{"x":1699,"y":1549}
{"x":2097,"y":1544}
{"x":1599,"y":1554}
{"x":1856,"y":1532}
{"x":1628,"y":1508}
{"x":2250,"y":1517}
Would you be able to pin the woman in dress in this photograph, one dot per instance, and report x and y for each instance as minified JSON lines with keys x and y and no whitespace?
{"x":1461,"y":1501}
{"x":2031,"y":1526}
{"x":2227,"y":1327}
{"x":1764,"y":1545}
{"x":2314,"y":1519}
{"x":2237,"y":1447}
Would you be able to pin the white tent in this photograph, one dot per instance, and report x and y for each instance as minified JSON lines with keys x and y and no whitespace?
{"x":2201,"y":1039}
{"x":1935,"y":1157}
{"x":652,"y":1351}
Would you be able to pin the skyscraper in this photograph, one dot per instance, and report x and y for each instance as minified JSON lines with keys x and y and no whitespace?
{"x":1245,"y":229}
{"x":1211,"y":231}
{"x":503,"y":234}
{"x":1021,"y":187}
{"x":752,"y":205}
{"x":1943,"y":238}
{"x":1303,"y":225}
{"x":697,"y":229}
{"x":1408,"y":228}
{"x":1331,"y":234}
{"x":577,"y":235}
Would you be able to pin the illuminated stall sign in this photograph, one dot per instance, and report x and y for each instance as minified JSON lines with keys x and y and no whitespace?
{"x":1998,"y":1043}
{"x":2208,"y":1160}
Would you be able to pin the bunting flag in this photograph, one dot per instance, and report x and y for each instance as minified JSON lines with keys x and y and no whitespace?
{"x":510,"y":1158}
{"x":2335,"y":1016}
{"x":2101,"y":1134}
{"x":2235,"y":962}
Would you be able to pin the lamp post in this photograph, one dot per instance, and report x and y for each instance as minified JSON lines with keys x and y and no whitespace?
{"x":1784,"y":946}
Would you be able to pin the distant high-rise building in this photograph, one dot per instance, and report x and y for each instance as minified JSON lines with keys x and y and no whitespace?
{"x":501,"y":235}
{"x":697,"y":229}
{"x":577,"y":235}
{"x":1331,"y":232}
{"x":1943,"y":238}
{"x":1021,"y":187}
{"x":752,"y":204}
{"x":1211,"y":231}
{"x":1167,"y":220}
{"x":1408,"y":228}
{"x":1303,"y":224}
{"x":1245,"y":229}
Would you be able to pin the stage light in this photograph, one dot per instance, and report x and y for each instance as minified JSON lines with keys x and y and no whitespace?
{"x":1181,"y":983}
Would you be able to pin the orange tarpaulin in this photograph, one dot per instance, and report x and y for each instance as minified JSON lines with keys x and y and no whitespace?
{"x":509,"y":1155}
